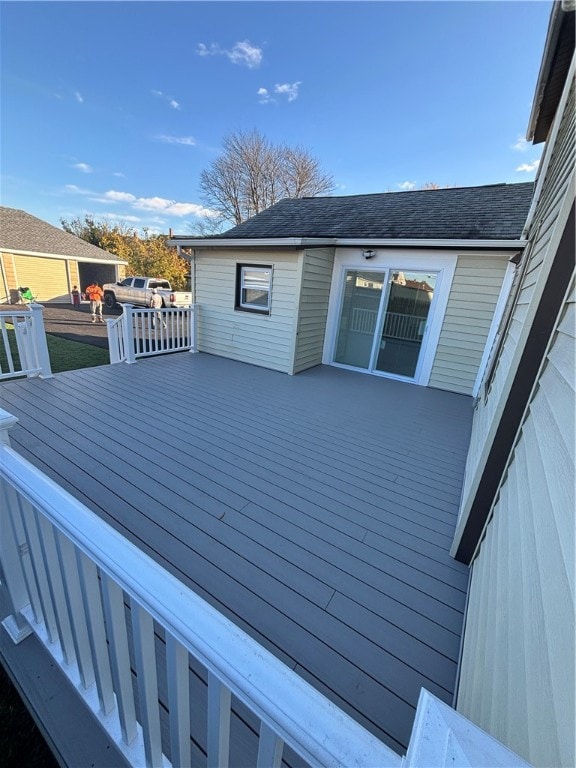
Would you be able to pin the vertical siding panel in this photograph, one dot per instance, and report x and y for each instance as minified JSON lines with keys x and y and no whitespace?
{"x":266,"y":340}
{"x":515,"y":646}
{"x":500,"y":577}
{"x":313,"y":309}
{"x":557,"y":642}
{"x":536,"y":686}
{"x":519,"y":682}
{"x":477,"y":280}
{"x":555,"y":189}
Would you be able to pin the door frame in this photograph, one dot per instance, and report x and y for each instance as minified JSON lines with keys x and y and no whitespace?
{"x":443,"y":263}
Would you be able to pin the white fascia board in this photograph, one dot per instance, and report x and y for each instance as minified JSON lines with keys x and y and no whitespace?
{"x":550,"y":146}
{"x":268,"y":242}
{"x":552,"y":35}
{"x":90,"y":259}
{"x":307,"y":242}
{"x":430,"y":243}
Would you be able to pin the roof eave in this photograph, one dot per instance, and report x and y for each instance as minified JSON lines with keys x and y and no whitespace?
{"x":102,"y":260}
{"x":559,"y":9}
{"x":250,"y":242}
{"x":306,"y":242}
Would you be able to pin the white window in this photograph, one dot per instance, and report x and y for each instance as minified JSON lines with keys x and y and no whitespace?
{"x":253,"y":288}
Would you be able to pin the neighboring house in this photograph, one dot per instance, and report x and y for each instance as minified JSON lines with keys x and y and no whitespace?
{"x":408,"y":285}
{"x":49,"y":261}
{"x":516,"y":527}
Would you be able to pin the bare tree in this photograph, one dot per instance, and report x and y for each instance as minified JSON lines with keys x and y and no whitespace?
{"x":252,"y":174}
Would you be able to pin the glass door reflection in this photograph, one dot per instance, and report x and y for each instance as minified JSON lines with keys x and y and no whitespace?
{"x":359,"y":317}
{"x":408,"y":303}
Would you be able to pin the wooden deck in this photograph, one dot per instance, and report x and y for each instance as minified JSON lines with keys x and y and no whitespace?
{"x":315,"y":511}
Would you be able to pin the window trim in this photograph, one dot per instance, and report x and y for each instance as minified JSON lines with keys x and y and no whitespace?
{"x":239,"y":306}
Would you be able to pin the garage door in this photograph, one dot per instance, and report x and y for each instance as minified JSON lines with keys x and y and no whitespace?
{"x":46,"y":278}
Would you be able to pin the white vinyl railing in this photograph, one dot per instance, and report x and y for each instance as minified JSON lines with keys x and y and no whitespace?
{"x":101,"y":606}
{"x":142,"y":332}
{"x":116,"y":623}
{"x":396,"y":325}
{"x":26,"y":328}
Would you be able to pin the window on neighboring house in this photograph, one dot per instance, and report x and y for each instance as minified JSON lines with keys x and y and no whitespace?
{"x":253,"y":288}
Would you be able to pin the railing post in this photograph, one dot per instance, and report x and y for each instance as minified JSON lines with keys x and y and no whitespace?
{"x":13,"y":583}
{"x":127,"y":331}
{"x":193,"y":328}
{"x":40,"y":345}
{"x":113,"y":341}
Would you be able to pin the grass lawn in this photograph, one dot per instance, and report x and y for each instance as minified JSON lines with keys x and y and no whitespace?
{"x":64,"y":355}
{"x":70,"y":355}
{"x":21,"y":743}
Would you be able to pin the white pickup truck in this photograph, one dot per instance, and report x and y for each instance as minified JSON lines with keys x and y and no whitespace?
{"x":138,"y":290}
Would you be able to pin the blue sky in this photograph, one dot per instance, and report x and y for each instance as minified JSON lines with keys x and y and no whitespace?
{"x":115,"y":108}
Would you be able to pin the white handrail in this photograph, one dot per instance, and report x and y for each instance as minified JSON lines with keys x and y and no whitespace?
{"x":27,"y":326}
{"x":145,"y":332}
{"x":295,"y":712}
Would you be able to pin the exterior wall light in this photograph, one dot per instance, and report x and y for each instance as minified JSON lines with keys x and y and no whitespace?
{"x":368,"y":254}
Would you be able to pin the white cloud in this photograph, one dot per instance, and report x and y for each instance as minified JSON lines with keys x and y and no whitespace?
{"x":288,"y":89}
{"x":171,"y":207}
{"x":528,"y":167}
{"x":407,"y":185}
{"x":188,"y":141}
{"x":122,"y":217}
{"x":521,"y":144}
{"x":242,"y":53}
{"x":246,"y":54}
{"x":78,"y":96}
{"x":77,"y":190}
{"x":120,"y":197}
{"x":84,"y":167}
{"x":203,"y":50}
{"x":171,"y":101}
{"x":264,"y":95}
{"x":119,"y":174}
{"x":130,"y":202}
{"x":157,"y":204}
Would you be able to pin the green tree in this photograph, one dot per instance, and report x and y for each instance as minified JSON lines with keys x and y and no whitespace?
{"x":148,"y":255}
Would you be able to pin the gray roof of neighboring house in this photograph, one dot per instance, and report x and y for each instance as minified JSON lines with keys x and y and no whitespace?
{"x":495,"y":212}
{"x":20,"y":231}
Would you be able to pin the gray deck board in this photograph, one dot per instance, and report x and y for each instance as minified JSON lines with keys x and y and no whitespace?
{"x":315,"y":511}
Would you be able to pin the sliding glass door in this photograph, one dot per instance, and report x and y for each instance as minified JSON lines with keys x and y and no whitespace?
{"x":358,"y":317}
{"x":383,"y":320}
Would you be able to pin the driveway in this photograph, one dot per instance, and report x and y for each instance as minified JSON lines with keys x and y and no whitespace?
{"x":76,"y":324}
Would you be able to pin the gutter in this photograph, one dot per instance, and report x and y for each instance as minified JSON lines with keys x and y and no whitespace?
{"x":547,"y":58}
{"x":306,"y":242}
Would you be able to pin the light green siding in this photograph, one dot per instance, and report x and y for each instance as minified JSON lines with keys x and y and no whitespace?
{"x":517,"y":672}
{"x":314,"y":295}
{"x":532,"y":278}
{"x":473,"y":296}
{"x":265,"y":340}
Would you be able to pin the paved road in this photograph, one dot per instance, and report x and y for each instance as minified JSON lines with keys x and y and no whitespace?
{"x":76,"y":324}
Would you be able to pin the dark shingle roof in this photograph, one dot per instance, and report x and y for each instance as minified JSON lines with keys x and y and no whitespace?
{"x":20,"y":231}
{"x":495,"y":212}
